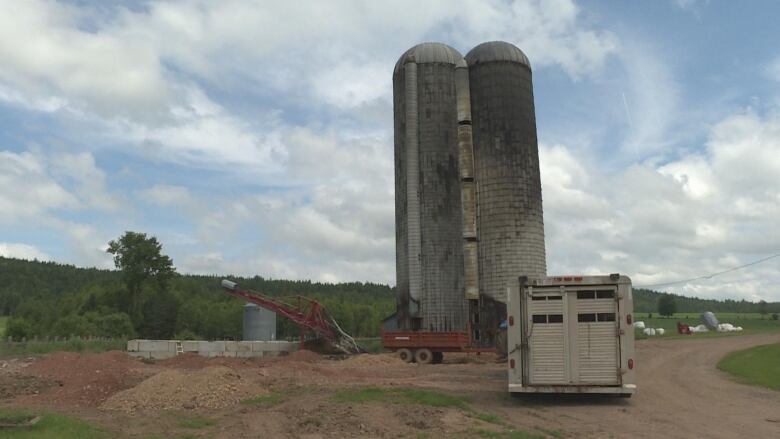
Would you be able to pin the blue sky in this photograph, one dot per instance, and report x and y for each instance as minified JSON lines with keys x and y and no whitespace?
{"x":256,"y":137}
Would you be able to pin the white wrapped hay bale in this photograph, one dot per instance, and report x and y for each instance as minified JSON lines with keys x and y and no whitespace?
{"x":649,"y":331}
{"x":660,"y":331}
{"x":639,"y":325}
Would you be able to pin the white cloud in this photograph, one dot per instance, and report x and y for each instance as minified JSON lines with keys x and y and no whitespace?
{"x":699,"y":214}
{"x":22,"y":251}
{"x":46,"y":54}
{"x":164,"y":195}
{"x":145,"y":71}
{"x":27,"y":190}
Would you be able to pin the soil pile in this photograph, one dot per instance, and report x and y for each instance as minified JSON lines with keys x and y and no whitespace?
{"x":193,"y":360}
{"x":212,"y":387}
{"x":373,"y":360}
{"x":85,"y":379}
{"x":303,"y":355}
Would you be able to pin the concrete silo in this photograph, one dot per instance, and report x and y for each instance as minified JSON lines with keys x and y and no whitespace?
{"x":510,"y":228}
{"x":429,"y":241}
{"x":468,"y":189}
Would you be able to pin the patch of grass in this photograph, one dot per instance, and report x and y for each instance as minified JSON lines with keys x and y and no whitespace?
{"x":3,"y":322}
{"x":510,"y":434}
{"x":195,"y":422}
{"x":752,"y":323}
{"x":51,"y":426}
{"x":759,"y":365}
{"x":403,"y":395}
{"x":265,"y":401}
{"x":554,"y":433}
{"x":487,"y":417}
{"x":45,"y":347}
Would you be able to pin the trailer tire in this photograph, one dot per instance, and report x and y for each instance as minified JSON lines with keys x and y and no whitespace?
{"x":405,"y":355}
{"x":423,"y":356}
{"x":438,"y":357}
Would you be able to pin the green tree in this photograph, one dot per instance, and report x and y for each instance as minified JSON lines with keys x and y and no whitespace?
{"x":17,"y":328}
{"x":762,"y":309}
{"x":116,"y":325}
{"x":667,"y":305}
{"x":141,"y":262}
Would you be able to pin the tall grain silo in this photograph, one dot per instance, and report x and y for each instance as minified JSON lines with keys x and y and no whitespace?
{"x":510,"y":228}
{"x":429,"y":236}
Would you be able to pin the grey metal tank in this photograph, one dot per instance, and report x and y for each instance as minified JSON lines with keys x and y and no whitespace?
{"x":259,"y":323}
{"x":510,"y":228}
{"x":429,"y":241}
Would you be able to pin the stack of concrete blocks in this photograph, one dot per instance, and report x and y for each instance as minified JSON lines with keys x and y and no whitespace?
{"x":162,"y":349}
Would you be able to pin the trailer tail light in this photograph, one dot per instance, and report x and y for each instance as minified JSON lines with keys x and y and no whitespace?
{"x":628,"y":319}
{"x":512,"y":363}
{"x":511,"y":320}
{"x":630,"y":363}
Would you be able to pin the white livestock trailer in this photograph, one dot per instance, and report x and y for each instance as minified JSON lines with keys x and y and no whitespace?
{"x":571,"y":334}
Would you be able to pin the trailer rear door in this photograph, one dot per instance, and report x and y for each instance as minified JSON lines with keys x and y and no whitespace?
{"x":548,"y":342}
{"x":597,"y":340}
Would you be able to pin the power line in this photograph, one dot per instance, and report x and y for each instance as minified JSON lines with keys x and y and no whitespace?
{"x":710,"y":276}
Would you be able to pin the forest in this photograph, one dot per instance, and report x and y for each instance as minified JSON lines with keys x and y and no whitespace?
{"x":51,"y":299}
{"x":149,"y":299}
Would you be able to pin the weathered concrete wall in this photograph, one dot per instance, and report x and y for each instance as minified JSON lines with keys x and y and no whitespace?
{"x":162,"y":349}
{"x":510,"y":227}
{"x":426,"y":152}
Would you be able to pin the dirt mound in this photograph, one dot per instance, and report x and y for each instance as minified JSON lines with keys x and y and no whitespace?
{"x":304,"y":356}
{"x":192,"y":360}
{"x":85,"y":379}
{"x":373,"y":360}
{"x":212,"y":387}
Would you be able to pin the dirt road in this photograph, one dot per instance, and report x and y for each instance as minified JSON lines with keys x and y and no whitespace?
{"x":681,"y":395}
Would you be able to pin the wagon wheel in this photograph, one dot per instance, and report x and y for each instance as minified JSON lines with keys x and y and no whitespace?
{"x":423,"y":356}
{"x":405,"y":355}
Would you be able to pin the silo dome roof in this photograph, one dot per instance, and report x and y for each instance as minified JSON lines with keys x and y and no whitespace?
{"x":429,"y":53}
{"x":497,"y":51}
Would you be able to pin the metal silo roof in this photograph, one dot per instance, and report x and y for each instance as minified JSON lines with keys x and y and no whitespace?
{"x":497,"y":51}
{"x":429,"y":53}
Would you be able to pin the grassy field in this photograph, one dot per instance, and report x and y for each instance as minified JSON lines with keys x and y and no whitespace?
{"x":51,"y":426}
{"x":45,"y":347}
{"x":3,"y":321}
{"x":752,"y":323}
{"x":759,"y":366}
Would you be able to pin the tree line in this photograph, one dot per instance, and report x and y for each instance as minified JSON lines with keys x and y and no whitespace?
{"x":648,"y":301}
{"x":145,"y":297}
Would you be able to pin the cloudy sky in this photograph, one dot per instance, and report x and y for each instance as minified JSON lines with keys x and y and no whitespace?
{"x":256,"y":137}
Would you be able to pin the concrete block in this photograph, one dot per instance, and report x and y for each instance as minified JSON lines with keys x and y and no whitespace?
{"x":243,"y":346}
{"x":190,"y":346}
{"x":277,"y":346}
{"x":248,"y":354}
{"x":211,"y":346}
{"x":238,"y":346}
{"x":132,"y":345}
{"x":155,"y":346}
{"x":228,"y":354}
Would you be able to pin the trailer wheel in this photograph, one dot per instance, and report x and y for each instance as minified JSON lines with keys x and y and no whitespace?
{"x":423,"y":356}
{"x":405,"y":355}
{"x":438,"y":357}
